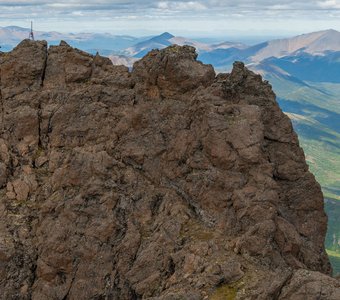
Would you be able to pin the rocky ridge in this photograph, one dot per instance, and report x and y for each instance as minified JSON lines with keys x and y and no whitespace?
{"x":166,"y":182}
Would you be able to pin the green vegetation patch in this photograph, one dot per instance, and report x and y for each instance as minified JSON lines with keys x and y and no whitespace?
{"x":334,"y":258}
{"x":224,"y":292}
{"x":196,"y":231}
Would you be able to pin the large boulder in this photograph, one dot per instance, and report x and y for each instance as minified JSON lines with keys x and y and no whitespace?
{"x":166,"y":182}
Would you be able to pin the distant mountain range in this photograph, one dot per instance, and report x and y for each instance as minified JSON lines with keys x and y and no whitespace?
{"x":221,"y":54}
{"x":92,"y":42}
{"x":314,"y":44}
{"x":303,"y":70}
{"x":308,"y":67}
{"x":166,"y":39}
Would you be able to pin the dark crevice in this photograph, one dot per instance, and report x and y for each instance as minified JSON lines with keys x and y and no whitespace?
{"x":2,"y":112}
{"x":44,"y":70}
{"x":133,"y":260}
{"x":11,"y":167}
{"x":286,"y":282}
{"x":156,"y":203}
{"x":276,"y":177}
{"x":40,"y":145}
{"x":134,"y":295}
{"x":170,"y":268}
{"x":42,"y":79}
{"x":71,"y":283}
{"x":131,"y":162}
{"x":49,"y":126}
{"x":194,"y":207}
{"x":34,"y":274}
{"x":120,"y":232}
{"x":49,"y":122}
{"x":121,"y":285}
{"x":266,"y":138}
{"x":2,"y":108}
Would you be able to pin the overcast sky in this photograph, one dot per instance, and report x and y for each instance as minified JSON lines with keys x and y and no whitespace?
{"x":209,"y":17}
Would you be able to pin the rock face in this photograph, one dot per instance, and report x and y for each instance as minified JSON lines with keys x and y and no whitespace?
{"x":167,"y":182}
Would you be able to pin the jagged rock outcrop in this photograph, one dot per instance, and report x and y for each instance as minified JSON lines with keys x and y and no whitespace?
{"x":166,"y":182}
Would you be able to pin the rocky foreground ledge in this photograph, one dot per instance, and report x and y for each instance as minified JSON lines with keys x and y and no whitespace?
{"x":166,"y":182}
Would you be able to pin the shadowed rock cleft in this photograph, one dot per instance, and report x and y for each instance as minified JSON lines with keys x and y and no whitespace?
{"x":166,"y":182}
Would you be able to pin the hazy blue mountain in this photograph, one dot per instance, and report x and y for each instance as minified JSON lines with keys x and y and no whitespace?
{"x":308,"y":67}
{"x":307,"y":46}
{"x":166,"y":39}
{"x":222,"y":59}
{"x":12,"y":35}
{"x":157,"y":42}
{"x":313,"y":43}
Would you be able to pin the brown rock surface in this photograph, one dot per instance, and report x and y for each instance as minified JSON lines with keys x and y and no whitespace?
{"x":167,"y":182}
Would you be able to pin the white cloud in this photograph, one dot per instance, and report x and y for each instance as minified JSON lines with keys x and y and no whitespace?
{"x":279,"y":7}
{"x":329,"y":4}
{"x":181,"y":6}
{"x":84,"y":12}
{"x":77,"y":13}
{"x":163,"y":5}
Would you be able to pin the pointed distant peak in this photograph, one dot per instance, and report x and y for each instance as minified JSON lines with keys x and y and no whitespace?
{"x":166,"y":35}
{"x":331,"y":31}
{"x":323,"y":32}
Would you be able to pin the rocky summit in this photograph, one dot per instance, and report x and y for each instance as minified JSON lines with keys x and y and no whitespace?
{"x":165,"y":182}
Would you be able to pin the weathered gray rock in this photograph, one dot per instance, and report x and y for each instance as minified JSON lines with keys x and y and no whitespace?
{"x":311,"y":285}
{"x":167,"y":182}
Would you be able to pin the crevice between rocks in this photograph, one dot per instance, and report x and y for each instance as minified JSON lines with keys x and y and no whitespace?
{"x":49,"y":123}
{"x":34,"y":274}
{"x":285,"y":283}
{"x":272,"y":140}
{"x":39,"y":115}
{"x":198,"y":211}
{"x":194,"y":207}
{"x":71,"y":283}
{"x":2,"y":110}
{"x":42,"y":79}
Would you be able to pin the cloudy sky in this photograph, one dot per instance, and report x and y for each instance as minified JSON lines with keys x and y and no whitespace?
{"x":201,"y":17}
